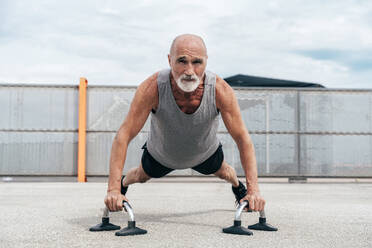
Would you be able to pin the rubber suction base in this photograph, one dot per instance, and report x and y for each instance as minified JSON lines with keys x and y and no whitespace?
{"x":131,"y":229}
{"x":263,"y":226}
{"x":237,"y":229}
{"x":104,"y":226}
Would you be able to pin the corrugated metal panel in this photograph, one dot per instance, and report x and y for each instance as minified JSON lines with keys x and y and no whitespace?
{"x":336,"y":112}
{"x":333,"y":155}
{"x":108,"y":107}
{"x":279,"y":159}
{"x":38,"y":153}
{"x":99,"y":149}
{"x":267,"y":110}
{"x":41,"y":108}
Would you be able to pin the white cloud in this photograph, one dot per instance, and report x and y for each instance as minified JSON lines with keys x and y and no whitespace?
{"x":115,"y":42}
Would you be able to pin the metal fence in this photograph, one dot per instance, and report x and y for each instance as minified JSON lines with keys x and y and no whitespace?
{"x":296,"y":132}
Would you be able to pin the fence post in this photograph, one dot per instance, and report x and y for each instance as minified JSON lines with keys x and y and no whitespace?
{"x":299,"y":178}
{"x":299,"y":171}
{"x":82,"y":130}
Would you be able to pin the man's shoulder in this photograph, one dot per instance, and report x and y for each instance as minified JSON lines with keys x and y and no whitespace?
{"x":149,"y":86}
{"x":224,"y":92}
{"x":148,"y":91}
{"x":222,"y":87}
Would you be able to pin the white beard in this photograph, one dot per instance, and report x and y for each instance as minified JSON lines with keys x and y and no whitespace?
{"x":188,"y":86}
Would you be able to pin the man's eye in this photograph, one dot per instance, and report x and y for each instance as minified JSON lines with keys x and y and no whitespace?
{"x":197,"y":62}
{"x":182,"y":61}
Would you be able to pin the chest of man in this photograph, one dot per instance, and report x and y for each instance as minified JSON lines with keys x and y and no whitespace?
{"x":189,"y":103}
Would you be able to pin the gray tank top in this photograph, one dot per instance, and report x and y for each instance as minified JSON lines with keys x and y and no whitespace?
{"x":178,"y":140}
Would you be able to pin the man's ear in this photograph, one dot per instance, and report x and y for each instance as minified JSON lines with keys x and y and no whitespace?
{"x":169,"y":59}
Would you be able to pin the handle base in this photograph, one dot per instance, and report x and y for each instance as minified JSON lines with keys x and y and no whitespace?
{"x":104,"y":226}
{"x":130,"y":230}
{"x":263,"y":226}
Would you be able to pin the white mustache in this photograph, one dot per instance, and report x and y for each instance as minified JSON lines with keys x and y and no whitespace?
{"x":188,"y":78}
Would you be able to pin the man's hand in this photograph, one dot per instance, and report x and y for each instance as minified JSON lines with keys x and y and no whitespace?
{"x":256,"y":202}
{"x":114,"y":201}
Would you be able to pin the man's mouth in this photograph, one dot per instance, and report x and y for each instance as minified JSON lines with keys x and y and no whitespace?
{"x":188,"y":80}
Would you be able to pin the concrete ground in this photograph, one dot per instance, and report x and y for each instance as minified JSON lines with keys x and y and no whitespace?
{"x":179,"y":212}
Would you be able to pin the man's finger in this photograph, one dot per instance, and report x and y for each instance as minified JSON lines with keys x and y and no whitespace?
{"x":262,"y":206}
{"x":251,"y":204}
{"x":119,"y":204}
{"x":115,"y":202}
{"x":106,"y":202}
{"x":259,"y":204}
{"x":112,"y":205}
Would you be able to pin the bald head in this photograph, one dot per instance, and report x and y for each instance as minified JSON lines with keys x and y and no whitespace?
{"x":188,"y":41}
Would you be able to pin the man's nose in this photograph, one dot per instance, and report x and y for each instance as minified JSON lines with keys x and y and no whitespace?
{"x":189,"y":71}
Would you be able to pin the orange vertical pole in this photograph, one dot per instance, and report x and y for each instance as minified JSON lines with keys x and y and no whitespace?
{"x":82,"y":130}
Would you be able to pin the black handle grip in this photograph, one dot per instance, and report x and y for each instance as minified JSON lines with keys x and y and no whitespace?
{"x":249,"y":210}
{"x":127,"y":203}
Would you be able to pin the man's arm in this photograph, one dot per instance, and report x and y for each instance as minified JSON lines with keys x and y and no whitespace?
{"x":228,"y":105}
{"x":145,"y":99}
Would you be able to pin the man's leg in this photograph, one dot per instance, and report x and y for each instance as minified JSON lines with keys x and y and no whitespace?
{"x":135,"y":175}
{"x":217,"y":165}
{"x":228,"y":173}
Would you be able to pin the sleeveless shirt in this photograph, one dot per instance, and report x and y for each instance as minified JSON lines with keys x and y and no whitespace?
{"x":178,"y":140}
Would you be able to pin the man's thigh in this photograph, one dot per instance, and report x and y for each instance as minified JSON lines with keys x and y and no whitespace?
{"x":212,"y":164}
{"x":152,"y":167}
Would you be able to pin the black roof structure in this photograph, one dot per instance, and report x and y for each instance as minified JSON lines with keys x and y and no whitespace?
{"x":241,"y":80}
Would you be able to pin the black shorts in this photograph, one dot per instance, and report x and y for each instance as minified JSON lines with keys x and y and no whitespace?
{"x":156,"y":170}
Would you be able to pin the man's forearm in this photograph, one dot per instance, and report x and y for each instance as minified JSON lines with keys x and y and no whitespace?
{"x":249,"y":164}
{"x":117,"y":159}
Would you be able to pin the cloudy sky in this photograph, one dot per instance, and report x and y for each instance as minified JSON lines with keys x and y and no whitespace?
{"x":123,"y":42}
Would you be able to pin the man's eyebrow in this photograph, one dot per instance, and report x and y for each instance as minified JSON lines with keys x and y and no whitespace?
{"x":185,"y":58}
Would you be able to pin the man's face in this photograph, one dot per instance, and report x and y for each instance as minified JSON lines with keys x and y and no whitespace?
{"x":188,"y":61}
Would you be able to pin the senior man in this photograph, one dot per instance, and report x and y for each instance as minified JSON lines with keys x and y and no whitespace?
{"x":184,"y":102}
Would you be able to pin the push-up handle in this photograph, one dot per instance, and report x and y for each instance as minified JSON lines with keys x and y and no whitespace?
{"x":131,"y":229}
{"x":239,"y":230}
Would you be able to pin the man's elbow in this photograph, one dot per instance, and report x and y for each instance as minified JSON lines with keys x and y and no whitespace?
{"x":243,"y":141}
{"x":121,"y":139}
